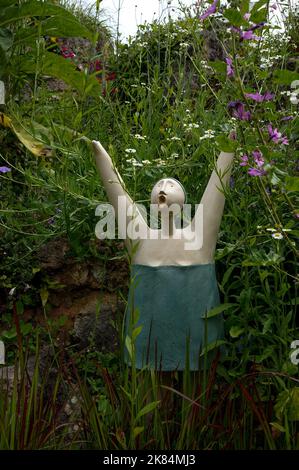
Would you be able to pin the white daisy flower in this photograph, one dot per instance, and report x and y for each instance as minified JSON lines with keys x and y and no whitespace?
{"x":277,"y":235}
{"x":130,"y":150}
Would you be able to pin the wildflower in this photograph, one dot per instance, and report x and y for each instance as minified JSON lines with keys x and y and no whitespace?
{"x":174,"y":155}
{"x":134,"y":162}
{"x":256,"y":172}
{"x":4,"y":169}
{"x":287,"y":118}
{"x":210,"y":11}
{"x":184,"y":45}
{"x":246,"y":16}
{"x":229,"y":67}
{"x":160,"y":162}
{"x":260,"y":98}
{"x":130,"y":150}
{"x":258,"y":158}
{"x":277,"y":235}
{"x":146,"y":162}
{"x":66,"y":53}
{"x":276,"y":136}
{"x":140,"y":137}
{"x":192,"y":125}
{"x":209,"y":134}
{"x":238,"y":111}
{"x":248,"y":35}
{"x":244,"y":161}
{"x":294,"y":97}
{"x":174,"y":138}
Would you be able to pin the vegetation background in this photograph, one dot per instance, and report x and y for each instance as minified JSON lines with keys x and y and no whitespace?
{"x":161,"y":104}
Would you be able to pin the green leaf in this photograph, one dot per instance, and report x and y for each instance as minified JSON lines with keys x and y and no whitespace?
{"x":136,"y":332}
{"x":10,"y":334}
{"x":35,"y":8}
{"x":219,"y":66}
{"x":219,"y":309}
{"x":226,"y":144}
{"x":6,"y":39}
{"x":259,"y":16}
{"x":288,"y":403}
{"x":236,"y":331}
{"x":227,"y":275}
{"x":138,"y":430}
{"x":234,"y":17}
{"x":44,"y":294}
{"x":129,"y":347}
{"x":292,"y":183}
{"x":211,"y":346}
{"x":59,"y":67}
{"x":244,"y":7}
{"x":258,"y":5}
{"x":147,"y":409}
{"x":285,"y":77}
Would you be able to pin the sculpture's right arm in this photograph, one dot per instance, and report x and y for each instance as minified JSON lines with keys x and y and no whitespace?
{"x":113,"y":183}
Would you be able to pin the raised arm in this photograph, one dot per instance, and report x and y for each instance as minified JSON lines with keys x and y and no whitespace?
{"x":213,"y":201}
{"x":114,"y":186}
{"x":112,"y":181}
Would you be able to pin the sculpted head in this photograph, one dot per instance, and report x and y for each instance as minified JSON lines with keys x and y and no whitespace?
{"x":168,"y":191}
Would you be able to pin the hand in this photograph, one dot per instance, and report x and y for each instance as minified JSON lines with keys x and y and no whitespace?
{"x":99,"y":150}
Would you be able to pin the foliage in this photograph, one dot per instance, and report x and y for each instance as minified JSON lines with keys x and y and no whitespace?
{"x":168,"y":110}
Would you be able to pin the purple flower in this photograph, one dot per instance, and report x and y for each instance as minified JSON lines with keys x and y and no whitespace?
{"x":246,"y":16}
{"x":4,"y":169}
{"x":258,"y":158}
{"x":229,"y":67}
{"x":244,"y":161}
{"x":273,"y":6}
{"x":209,"y":11}
{"x":276,"y":136}
{"x":287,"y":118}
{"x":256,"y":172}
{"x":256,"y":26}
{"x":248,"y":35}
{"x":260,"y":98}
{"x":238,"y":111}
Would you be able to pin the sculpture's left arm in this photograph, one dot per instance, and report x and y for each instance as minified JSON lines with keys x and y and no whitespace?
{"x":213,"y":201}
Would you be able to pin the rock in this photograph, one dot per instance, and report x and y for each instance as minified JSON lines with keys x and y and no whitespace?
{"x":52,"y":254}
{"x":95,"y":325}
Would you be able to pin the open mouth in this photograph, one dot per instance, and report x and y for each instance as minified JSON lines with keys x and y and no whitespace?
{"x":162,"y":198}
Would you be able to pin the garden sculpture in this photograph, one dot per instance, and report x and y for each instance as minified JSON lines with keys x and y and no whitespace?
{"x":172,"y":288}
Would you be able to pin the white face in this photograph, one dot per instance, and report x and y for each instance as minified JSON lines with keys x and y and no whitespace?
{"x":166,"y":192}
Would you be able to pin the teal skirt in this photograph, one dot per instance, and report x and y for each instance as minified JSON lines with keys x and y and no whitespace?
{"x":165,"y":325}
